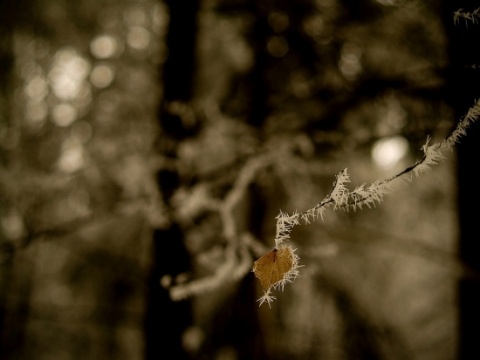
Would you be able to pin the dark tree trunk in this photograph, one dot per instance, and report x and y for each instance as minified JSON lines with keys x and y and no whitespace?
{"x":469,"y":246}
{"x":464,"y":80}
{"x":9,"y":338}
{"x":167,"y":320}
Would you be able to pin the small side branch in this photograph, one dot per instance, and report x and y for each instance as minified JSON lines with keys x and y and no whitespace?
{"x":341,"y":198}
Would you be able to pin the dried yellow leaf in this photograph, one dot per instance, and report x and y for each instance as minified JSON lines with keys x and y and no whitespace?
{"x":273,"y":267}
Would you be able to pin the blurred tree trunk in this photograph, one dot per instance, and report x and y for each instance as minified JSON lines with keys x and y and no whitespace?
{"x":464,"y":86}
{"x":8,"y":12}
{"x":469,"y":287}
{"x":166,"y":320}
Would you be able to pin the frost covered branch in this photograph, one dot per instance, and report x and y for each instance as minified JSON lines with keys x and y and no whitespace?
{"x":280,"y":265}
{"x":237,"y":255}
{"x":472,"y":16}
{"x":340,"y":197}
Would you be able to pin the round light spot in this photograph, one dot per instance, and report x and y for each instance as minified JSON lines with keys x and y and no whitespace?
{"x":13,"y":226}
{"x":350,"y":63}
{"x":68,"y":73}
{"x":64,"y":115}
{"x":36,"y":89}
{"x":387,"y":152}
{"x":277,"y":46}
{"x":102,"y":76}
{"x":103,"y":46}
{"x":138,"y":38}
{"x":72,"y":157}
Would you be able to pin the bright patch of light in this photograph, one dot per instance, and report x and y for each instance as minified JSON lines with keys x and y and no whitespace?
{"x":13,"y":226}
{"x":101,"y":76}
{"x":68,"y":72}
{"x":84,"y":96}
{"x":314,"y":25}
{"x":160,"y":18}
{"x":138,"y":38}
{"x":72,"y":156}
{"x":36,"y":89}
{"x":104,"y":46}
{"x":350,"y":61}
{"x":387,"y":152}
{"x":64,"y":115}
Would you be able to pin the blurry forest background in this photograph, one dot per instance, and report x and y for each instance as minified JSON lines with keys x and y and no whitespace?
{"x":146,"y":147}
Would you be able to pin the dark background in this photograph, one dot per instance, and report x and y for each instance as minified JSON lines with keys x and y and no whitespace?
{"x":146,"y":148}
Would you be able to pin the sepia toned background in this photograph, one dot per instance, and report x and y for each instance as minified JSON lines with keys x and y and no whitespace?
{"x":146,"y":148}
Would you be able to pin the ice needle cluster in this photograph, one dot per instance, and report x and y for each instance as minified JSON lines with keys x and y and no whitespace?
{"x":281,"y":265}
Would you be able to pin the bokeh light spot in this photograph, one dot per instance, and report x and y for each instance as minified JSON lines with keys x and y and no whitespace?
{"x":71,"y":157}
{"x":36,"y":89}
{"x":64,"y":115}
{"x":12,"y":225}
{"x":160,"y":18}
{"x":102,"y":76}
{"x":350,"y":61}
{"x":104,"y":46}
{"x":277,"y":46}
{"x":138,"y":38}
{"x":68,"y":73}
{"x":387,"y":152}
